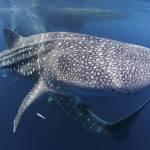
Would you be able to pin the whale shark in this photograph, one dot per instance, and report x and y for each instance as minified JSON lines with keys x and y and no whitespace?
{"x":78,"y":17}
{"x":38,"y":17}
{"x":71,"y":65}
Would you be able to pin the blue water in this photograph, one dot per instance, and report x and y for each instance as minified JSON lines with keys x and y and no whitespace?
{"x":58,"y":131}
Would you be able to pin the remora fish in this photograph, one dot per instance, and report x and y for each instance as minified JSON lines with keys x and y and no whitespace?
{"x":70,"y":65}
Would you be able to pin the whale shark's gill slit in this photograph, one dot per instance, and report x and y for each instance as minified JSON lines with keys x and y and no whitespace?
{"x":36,"y":92}
{"x":85,"y":118}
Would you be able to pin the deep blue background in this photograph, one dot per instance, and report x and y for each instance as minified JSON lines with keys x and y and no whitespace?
{"x":58,"y":131}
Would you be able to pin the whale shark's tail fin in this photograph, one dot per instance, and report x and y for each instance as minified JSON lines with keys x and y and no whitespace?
{"x":121,"y":128}
{"x":82,"y":114}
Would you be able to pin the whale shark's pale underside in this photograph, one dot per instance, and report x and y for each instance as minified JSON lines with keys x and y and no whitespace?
{"x":69,"y":65}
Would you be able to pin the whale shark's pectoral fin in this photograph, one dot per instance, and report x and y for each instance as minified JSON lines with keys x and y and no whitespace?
{"x":11,"y":38}
{"x":83,"y":115}
{"x":37,"y":91}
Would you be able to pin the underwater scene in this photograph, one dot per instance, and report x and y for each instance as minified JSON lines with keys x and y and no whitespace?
{"x":74,"y":74}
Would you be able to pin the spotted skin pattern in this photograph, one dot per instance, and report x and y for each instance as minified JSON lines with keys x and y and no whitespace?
{"x":72,"y":64}
{"x":97,"y":64}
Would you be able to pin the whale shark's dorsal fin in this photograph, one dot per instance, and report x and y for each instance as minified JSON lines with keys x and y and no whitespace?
{"x":38,"y":89}
{"x":11,"y":38}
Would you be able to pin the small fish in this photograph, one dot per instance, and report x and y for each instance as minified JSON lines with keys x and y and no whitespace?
{"x":41,"y":116}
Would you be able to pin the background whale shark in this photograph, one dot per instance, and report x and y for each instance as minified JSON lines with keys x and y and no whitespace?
{"x":38,"y":16}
